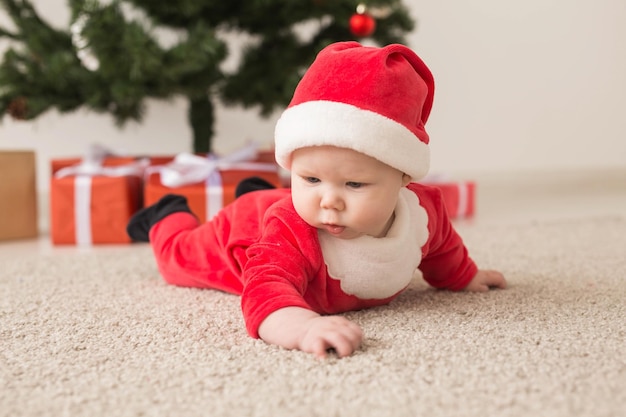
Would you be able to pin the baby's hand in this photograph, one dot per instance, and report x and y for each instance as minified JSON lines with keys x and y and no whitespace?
{"x":303,"y":329}
{"x":331,"y":332}
{"x":486,"y":279}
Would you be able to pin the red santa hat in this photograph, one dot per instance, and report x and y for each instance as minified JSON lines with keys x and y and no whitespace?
{"x":373,"y":100}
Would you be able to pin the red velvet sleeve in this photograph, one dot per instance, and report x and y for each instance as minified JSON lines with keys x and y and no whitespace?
{"x":445,"y":261}
{"x":279,"y":266}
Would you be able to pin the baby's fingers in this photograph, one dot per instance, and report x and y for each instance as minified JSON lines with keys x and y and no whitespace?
{"x":486,"y":279}
{"x":495,"y":279}
{"x":337,"y":345}
{"x":343,"y":344}
{"x":336,"y":333}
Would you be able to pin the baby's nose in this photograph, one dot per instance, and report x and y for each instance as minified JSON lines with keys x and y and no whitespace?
{"x":332,"y":201}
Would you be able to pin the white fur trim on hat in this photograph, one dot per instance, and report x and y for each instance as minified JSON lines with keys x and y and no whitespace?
{"x":317,"y":123}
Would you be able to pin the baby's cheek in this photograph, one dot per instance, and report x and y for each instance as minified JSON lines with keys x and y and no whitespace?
{"x":307,"y":212}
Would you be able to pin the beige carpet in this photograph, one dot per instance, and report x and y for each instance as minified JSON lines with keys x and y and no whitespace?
{"x":96,"y":333}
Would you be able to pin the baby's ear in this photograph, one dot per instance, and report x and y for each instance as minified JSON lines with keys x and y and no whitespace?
{"x":406,"y":179}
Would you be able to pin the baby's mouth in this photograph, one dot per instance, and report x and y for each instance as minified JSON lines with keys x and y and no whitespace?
{"x":333,"y":229}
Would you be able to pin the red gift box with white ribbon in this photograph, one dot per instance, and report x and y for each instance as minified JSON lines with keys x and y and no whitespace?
{"x":92,"y":199}
{"x":209,"y":182}
{"x":459,"y":196}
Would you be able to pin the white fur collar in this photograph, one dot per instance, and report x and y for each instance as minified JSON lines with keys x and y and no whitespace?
{"x":377,"y":268}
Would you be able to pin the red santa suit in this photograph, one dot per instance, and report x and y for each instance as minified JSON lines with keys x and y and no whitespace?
{"x":260,"y":248}
{"x":375,"y":101}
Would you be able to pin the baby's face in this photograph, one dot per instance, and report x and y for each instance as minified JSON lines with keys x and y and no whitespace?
{"x":343,"y":192}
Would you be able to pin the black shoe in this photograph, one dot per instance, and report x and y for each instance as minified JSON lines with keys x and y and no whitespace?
{"x":252,"y":184}
{"x":139,"y":225}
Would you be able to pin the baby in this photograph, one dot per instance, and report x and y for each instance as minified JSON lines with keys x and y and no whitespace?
{"x":354,"y":225}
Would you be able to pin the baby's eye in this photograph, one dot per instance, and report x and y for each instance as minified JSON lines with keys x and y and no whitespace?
{"x":354,"y":184}
{"x":312,"y":180}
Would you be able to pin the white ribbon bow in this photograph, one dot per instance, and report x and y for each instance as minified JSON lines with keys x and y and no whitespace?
{"x":188,"y":169}
{"x":91,"y":165}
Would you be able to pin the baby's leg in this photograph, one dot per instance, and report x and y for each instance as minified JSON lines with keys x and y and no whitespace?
{"x":187,"y":253}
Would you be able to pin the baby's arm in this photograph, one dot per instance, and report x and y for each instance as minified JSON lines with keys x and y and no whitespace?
{"x":486,"y":279}
{"x":299,"y":328}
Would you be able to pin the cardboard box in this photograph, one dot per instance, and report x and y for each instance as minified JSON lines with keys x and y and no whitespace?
{"x":18,"y":195}
{"x":93,"y":209}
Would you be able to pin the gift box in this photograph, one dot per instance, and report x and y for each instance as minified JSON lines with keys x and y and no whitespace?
{"x":18,"y":195}
{"x":91,"y":203}
{"x":459,"y":196}
{"x":110,"y":161}
{"x":208,"y":182}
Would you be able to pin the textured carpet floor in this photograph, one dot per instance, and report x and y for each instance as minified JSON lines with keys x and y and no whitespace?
{"x":97,"y":333}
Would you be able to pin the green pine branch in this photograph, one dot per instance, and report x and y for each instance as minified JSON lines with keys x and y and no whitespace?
{"x":119,"y":62}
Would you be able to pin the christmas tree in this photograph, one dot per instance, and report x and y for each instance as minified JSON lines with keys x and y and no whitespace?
{"x":111,"y":58}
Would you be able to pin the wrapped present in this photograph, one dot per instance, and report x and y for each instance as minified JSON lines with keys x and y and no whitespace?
{"x":209,"y":182}
{"x":91,"y":201}
{"x":111,"y":161}
{"x":459,"y":196}
{"x":18,"y":195}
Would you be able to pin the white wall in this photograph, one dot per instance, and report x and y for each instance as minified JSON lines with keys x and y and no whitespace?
{"x":528,"y":86}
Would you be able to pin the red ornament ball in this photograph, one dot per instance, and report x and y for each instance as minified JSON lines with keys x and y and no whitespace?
{"x":362,"y":24}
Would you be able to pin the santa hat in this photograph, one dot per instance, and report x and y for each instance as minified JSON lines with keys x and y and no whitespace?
{"x":373,"y":100}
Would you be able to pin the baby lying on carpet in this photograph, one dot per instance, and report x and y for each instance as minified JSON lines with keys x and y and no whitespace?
{"x":352,"y":228}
